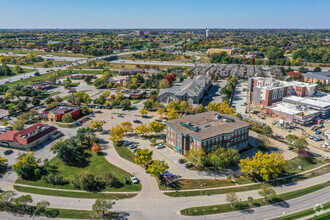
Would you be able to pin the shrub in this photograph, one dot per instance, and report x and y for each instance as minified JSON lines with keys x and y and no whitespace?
{"x":54,"y":179}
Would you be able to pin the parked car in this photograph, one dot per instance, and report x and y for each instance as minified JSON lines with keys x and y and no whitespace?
{"x":318,"y":132}
{"x":134,"y":151}
{"x":312,"y":137}
{"x":181,"y":161}
{"x":7,"y":152}
{"x":132,"y":146}
{"x":134,"y":179}
{"x":188,"y":165}
{"x":137,"y":121}
{"x":120,"y":115}
{"x":127,"y":143}
{"x":317,"y":138}
{"x":290,"y":148}
{"x":160,"y":146}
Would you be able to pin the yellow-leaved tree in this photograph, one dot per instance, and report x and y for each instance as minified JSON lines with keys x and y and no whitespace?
{"x":142,"y":129}
{"x":267,"y":166}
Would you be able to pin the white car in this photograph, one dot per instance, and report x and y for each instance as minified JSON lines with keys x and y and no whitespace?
{"x":160,"y":146}
{"x":134,"y":180}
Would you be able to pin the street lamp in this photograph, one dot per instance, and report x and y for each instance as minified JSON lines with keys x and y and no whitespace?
{"x":201,"y":188}
{"x":204,"y":214}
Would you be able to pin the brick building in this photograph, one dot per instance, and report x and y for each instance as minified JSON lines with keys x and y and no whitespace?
{"x":29,"y":137}
{"x":266,"y":91}
{"x":56,"y":114}
{"x":207,"y":131}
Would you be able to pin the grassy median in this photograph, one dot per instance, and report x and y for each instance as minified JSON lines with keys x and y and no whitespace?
{"x":87,"y":195}
{"x":195,"y":211}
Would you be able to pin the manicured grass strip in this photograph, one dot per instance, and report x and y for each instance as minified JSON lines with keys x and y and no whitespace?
{"x":54,"y":93}
{"x":194,"y":211}
{"x":325,"y":216}
{"x":73,"y":194}
{"x":125,"y":153}
{"x":29,"y":81}
{"x":183,"y":184}
{"x":213,"y":191}
{"x":80,"y":214}
{"x":304,"y":213}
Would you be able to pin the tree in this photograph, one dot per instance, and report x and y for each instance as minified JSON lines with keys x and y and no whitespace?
{"x":157,"y":168}
{"x":22,"y":201}
{"x":267,"y":130}
{"x":95,"y":147}
{"x":153,"y":140}
{"x":250,"y":200}
{"x":85,"y":110}
{"x":126,"y":104}
{"x":143,"y":156}
{"x":3,"y":160}
{"x":266,"y":166}
{"x":41,"y":206}
{"x":303,"y":153}
{"x":267,"y":192}
{"x":102,"y":206}
{"x":67,"y":118}
{"x":21,"y":106}
{"x":263,"y":142}
{"x":18,"y":125}
{"x":19,"y":69}
{"x":7,"y":198}
{"x":161,"y":111}
{"x":127,"y":126}
{"x":27,"y":166}
{"x":69,"y":152}
{"x":300,"y":143}
{"x":291,"y":138}
{"x":172,"y":114}
{"x":96,"y":124}
{"x":143,"y":112}
{"x":200,"y":108}
{"x":232,"y":198}
{"x":156,"y":127}
{"x":87,"y":181}
{"x":35,"y":101}
{"x":142,"y":129}
{"x":222,"y":157}
{"x":116,"y":133}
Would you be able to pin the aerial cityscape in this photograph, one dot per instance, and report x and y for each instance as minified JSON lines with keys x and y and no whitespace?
{"x":144,"y":110}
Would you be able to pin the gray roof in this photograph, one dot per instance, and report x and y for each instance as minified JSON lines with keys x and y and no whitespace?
{"x":191,"y":87}
{"x":208,"y":124}
{"x":318,"y":75}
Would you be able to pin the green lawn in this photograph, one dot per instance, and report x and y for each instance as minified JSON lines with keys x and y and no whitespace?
{"x":195,"y":211}
{"x":304,"y":213}
{"x":62,"y":54}
{"x":87,"y":195}
{"x":29,"y":81}
{"x":14,"y":71}
{"x":97,"y":165}
{"x":79,"y":214}
{"x":292,"y":166}
{"x":125,"y":153}
{"x":325,"y":216}
{"x":54,"y":93}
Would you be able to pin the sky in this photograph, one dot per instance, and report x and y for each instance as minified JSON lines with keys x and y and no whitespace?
{"x":134,"y":14}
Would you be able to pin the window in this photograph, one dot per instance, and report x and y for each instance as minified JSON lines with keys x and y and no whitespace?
{"x":274,"y":94}
{"x":280,"y":94}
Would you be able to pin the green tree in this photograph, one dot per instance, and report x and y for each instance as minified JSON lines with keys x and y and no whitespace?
{"x":291,"y":138}
{"x":126,"y":104}
{"x":103,"y":206}
{"x":27,"y":166}
{"x":263,"y":142}
{"x":19,"y":69}
{"x":67,"y":118}
{"x":232,"y":198}
{"x":41,"y":206}
{"x":222,"y":157}
{"x":23,"y":201}
{"x":300,"y":143}
{"x":85,"y":110}
{"x":69,"y":152}
{"x":7,"y":198}
{"x":35,"y":101}
{"x":18,"y":125}
{"x":143,"y":156}
{"x":267,"y":130}
{"x":267,"y":192}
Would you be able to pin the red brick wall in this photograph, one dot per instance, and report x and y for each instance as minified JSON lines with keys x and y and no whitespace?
{"x":281,"y":115}
{"x":300,"y":91}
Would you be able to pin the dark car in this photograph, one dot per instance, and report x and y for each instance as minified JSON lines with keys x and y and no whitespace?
{"x":7,"y":152}
{"x":189,"y":165}
{"x":137,"y":121}
{"x":181,"y":161}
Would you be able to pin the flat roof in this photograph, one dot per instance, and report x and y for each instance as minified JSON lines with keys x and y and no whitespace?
{"x":207,"y":124}
{"x":290,"y":109}
{"x":307,"y":101}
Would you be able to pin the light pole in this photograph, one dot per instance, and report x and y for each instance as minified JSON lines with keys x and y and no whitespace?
{"x":201,"y":188}
{"x":204,"y":214}
{"x":56,"y":185}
